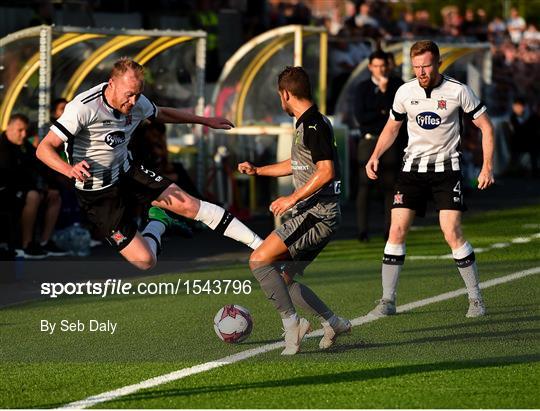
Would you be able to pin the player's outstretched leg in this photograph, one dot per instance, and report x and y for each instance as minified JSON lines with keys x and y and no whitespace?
{"x":218,"y":219}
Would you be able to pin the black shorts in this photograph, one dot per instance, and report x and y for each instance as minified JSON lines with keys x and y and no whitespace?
{"x":413,"y":191}
{"x":113,"y":210}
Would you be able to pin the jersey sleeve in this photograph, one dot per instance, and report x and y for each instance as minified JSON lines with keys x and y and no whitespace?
{"x":471,"y":104}
{"x":319,"y":140}
{"x":398,"y":112}
{"x":149,"y":109}
{"x":75,"y":117}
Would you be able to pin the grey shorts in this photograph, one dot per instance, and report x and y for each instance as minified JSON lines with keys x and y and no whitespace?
{"x":308,"y":231}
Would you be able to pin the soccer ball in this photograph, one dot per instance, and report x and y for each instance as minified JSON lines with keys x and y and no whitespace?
{"x":233,"y":323}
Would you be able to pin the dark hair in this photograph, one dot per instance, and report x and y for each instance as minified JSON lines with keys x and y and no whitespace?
{"x":378,"y":54}
{"x":296,"y":81}
{"x":124,"y":64}
{"x":520,"y":100}
{"x":423,"y":46}
{"x":57,"y":101}
{"x":20,"y":117}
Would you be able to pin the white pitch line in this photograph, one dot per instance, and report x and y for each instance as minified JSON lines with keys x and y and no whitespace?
{"x":517,"y":240}
{"x":231,"y":359}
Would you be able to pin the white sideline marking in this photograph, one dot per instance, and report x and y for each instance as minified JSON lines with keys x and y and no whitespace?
{"x":196,"y":369}
{"x":517,"y":240}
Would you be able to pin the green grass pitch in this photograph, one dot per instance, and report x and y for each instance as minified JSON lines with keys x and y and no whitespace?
{"x":430,"y":357}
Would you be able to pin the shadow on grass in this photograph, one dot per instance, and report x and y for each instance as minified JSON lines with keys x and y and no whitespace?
{"x":483,"y":322}
{"x":455,"y":337}
{"x":330,"y":378}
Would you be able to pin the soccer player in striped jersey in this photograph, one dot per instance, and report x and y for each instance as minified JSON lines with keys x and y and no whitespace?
{"x":95,"y":129}
{"x":432,"y":103}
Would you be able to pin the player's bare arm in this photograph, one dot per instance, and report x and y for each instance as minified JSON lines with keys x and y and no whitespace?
{"x":386,"y":139}
{"x":485,"y":178}
{"x":173,"y":115}
{"x":323,"y":175}
{"x":281,"y":169}
{"x":47,"y":152}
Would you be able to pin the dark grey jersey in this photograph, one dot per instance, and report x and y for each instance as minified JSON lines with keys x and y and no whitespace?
{"x":314,"y":141}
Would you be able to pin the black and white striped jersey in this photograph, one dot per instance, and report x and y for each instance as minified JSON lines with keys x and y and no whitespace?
{"x":434,"y":122}
{"x":94,"y":131}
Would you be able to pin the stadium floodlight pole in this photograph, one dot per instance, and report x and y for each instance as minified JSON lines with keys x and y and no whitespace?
{"x":406,"y":68}
{"x":200,"y":62}
{"x":487,"y":66}
{"x":44,"y":96}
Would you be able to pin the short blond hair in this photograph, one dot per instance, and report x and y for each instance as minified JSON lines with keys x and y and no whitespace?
{"x":424,"y":46}
{"x":125,"y":64}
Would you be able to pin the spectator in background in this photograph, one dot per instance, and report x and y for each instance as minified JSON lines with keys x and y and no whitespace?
{"x":70,"y":212}
{"x":344,"y":58}
{"x":374,"y":99}
{"x":515,"y":25}
{"x":150,"y":147}
{"x":531,"y":37}
{"x":21,"y":177}
{"x":482,"y":34}
{"x":351,"y":11}
{"x":406,"y":25}
{"x":496,"y":31}
{"x":366,"y":23}
{"x":470,"y":24}
{"x":523,"y":137}
{"x":423,"y":26}
{"x":57,"y":108}
{"x":452,"y":21}
{"x":364,"y":17}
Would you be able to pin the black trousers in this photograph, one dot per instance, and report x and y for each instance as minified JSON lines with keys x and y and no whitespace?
{"x":389,"y":165}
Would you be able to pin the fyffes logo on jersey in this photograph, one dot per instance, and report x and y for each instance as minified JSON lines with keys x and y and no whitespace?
{"x":428,"y":120}
{"x":115,"y":138}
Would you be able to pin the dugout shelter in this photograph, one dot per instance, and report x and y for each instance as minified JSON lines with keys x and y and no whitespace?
{"x":39,"y":64}
{"x":246,"y":93}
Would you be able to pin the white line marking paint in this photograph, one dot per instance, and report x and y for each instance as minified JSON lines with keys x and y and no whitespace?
{"x":517,"y":240}
{"x":231,"y":359}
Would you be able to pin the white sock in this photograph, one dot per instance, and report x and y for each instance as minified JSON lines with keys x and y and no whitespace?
{"x":394,"y":256}
{"x":291,"y":321}
{"x":465,"y":261}
{"x":152,"y":234}
{"x":226,"y":224}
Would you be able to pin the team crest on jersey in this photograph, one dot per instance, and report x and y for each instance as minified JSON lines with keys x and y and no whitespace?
{"x":129,"y":120}
{"x":118,"y":237}
{"x":441,"y":104}
{"x":398,"y":198}
{"x":115,"y":138}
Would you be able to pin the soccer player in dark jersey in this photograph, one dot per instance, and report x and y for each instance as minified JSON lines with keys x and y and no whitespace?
{"x":432,"y":104}
{"x":316,"y":213}
{"x":95,"y":129}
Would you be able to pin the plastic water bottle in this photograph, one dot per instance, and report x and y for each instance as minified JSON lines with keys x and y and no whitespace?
{"x":61,"y":238}
{"x":79,"y":240}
